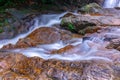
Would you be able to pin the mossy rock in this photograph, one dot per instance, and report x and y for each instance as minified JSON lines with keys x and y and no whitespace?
{"x":68,"y":25}
{"x":91,"y":8}
{"x":81,"y":27}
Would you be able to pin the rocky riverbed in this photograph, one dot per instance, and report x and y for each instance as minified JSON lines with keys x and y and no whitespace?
{"x":74,"y":46}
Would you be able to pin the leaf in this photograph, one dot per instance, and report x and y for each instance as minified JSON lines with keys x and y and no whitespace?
{"x":71,"y":26}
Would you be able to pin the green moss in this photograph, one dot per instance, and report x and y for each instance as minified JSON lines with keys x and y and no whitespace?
{"x":1,"y":30}
{"x":88,"y":8}
{"x":68,"y":25}
{"x":71,"y":26}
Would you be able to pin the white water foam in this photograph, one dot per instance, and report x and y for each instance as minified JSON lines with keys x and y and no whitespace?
{"x":84,"y":50}
{"x":111,"y":3}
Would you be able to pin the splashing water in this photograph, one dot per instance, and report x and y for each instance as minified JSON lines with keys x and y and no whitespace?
{"x":111,"y":3}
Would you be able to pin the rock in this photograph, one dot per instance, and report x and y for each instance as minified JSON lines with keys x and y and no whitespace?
{"x":35,"y":68}
{"x":43,"y":35}
{"x":78,"y":24}
{"x":47,"y":35}
{"x":91,"y":8}
{"x":83,"y":24}
{"x":9,"y":59}
{"x":15,"y":23}
{"x":68,"y":14}
{"x":63,"y":50}
{"x":114,"y":44}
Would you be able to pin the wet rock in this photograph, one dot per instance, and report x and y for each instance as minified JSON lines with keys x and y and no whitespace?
{"x":8,"y":60}
{"x":114,"y":44}
{"x":35,"y":68}
{"x":79,"y":24}
{"x":14,"y":22}
{"x":43,"y":35}
{"x":98,"y":72}
{"x":62,"y":50}
{"x":68,"y":14}
{"x":83,"y":24}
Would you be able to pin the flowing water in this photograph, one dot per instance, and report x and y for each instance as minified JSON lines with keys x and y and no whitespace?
{"x":111,"y":3}
{"x":46,"y":20}
{"x":84,"y":49}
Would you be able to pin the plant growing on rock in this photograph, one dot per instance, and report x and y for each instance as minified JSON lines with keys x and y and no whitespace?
{"x":68,"y":26}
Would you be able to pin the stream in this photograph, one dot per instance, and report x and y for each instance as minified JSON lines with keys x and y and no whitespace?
{"x":91,"y":48}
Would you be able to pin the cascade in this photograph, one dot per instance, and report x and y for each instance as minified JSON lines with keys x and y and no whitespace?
{"x":84,"y":49}
{"x":111,"y":3}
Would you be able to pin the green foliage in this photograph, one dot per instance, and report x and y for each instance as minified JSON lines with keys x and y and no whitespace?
{"x":71,"y":26}
{"x":1,"y":30}
{"x":68,"y":25}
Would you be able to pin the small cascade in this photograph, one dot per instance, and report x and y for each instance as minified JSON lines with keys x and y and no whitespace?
{"x":87,"y":48}
{"x":45,"y":20}
{"x":111,"y":3}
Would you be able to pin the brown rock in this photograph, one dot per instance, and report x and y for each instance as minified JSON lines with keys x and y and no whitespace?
{"x":114,"y":44}
{"x":78,"y":70}
{"x":45,"y":35}
{"x":68,"y":14}
{"x":8,"y":60}
{"x":38,"y":69}
{"x":62,"y":50}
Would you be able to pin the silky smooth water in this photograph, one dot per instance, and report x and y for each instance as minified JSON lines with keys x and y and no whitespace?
{"x":111,"y":3}
{"x":46,"y":20}
{"x":84,"y":49}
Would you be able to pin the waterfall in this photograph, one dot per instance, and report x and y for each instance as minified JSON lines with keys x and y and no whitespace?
{"x":111,"y":3}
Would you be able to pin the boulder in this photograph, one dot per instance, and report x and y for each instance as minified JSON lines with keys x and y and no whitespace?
{"x":15,"y":22}
{"x":78,"y":24}
{"x":91,"y":8}
{"x":88,"y":23}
